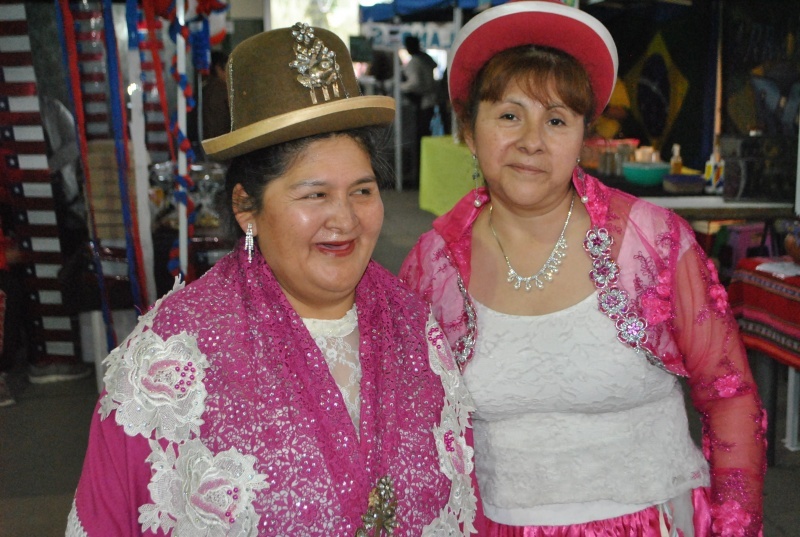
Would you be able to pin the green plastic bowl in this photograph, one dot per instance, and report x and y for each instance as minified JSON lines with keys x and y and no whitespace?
{"x":645,"y":173}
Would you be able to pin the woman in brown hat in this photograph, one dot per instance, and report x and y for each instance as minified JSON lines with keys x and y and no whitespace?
{"x":297,"y":388}
{"x":573,"y":308}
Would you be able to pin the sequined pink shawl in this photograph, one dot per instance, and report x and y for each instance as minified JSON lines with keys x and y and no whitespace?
{"x":675,"y":313}
{"x":270,"y":405}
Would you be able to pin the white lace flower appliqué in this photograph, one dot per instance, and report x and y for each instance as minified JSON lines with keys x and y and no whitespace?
{"x":201,"y":494}
{"x":455,"y":456}
{"x":157,"y":385}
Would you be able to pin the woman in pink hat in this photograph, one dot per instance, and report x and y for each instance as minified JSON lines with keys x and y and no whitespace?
{"x":297,"y":388}
{"x":574,"y":309}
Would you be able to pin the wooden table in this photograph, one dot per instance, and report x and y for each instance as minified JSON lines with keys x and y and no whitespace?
{"x":767,"y":307}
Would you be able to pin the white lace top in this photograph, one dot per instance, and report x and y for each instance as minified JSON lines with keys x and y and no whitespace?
{"x":570,"y":426}
{"x":338,"y":341}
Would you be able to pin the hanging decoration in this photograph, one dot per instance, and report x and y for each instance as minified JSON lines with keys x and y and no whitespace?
{"x":153,"y":45}
{"x":192,"y":27}
{"x":119,"y":124}
{"x":185,"y":185}
{"x":69,"y":48}
{"x":178,"y":263}
{"x":214,"y":14}
{"x":138,"y":137}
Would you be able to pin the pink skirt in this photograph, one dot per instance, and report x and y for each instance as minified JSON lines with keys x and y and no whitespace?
{"x":644,"y":523}
{"x":648,"y":522}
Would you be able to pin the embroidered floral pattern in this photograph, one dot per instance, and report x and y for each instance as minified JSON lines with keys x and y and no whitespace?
{"x":655,"y":308}
{"x":730,"y":520}
{"x":716,"y":292}
{"x":455,"y":456}
{"x":200,"y":493}
{"x":656,"y":301}
{"x":157,"y":390}
{"x":728,"y":385}
{"x":615,"y":303}
{"x":157,"y":386}
{"x":719,"y":298}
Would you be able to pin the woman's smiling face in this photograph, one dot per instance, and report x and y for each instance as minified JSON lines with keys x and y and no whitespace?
{"x":319,"y":224}
{"x":527,"y":149}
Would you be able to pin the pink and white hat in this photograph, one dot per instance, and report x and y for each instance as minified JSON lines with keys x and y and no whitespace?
{"x":544,"y":23}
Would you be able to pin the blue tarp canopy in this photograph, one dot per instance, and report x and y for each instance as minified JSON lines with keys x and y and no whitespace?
{"x":405,"y":8}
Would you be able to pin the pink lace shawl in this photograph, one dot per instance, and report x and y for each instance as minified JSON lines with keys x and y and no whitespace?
{"x":689,"y":331}
{"x":271,"y":398}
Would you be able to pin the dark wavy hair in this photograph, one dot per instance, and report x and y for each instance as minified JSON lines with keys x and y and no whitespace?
{"x":255,"y":170}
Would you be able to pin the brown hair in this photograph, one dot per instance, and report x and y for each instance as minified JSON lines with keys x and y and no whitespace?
{"x":535,"y":69}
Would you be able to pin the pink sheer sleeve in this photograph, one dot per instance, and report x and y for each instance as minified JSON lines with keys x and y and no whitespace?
{"x":411,"y":269}
{"x":724,"y":393}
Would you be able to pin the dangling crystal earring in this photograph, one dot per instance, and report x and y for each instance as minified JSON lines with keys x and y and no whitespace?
{"x":582,"y":177}
{"x":476,"y":175}
{"x":248,"y":242}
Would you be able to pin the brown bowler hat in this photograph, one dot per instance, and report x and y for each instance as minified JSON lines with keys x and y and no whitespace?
{"x":290,"y":83}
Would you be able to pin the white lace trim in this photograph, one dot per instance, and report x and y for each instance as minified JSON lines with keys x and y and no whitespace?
{"x":455,"y":456}
{"x":74,"y":526}
{"x":333,"y":327}
{"x":201,"y":493}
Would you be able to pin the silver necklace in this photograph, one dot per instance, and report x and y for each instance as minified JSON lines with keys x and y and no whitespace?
{"x":550,"y":267}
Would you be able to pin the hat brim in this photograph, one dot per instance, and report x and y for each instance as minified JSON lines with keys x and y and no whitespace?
{"x":546,"y":24}
{"x":342,"y":114}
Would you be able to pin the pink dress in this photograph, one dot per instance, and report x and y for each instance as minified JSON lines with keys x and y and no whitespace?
{"x":221,"y":418}
{"x":663,"y":297}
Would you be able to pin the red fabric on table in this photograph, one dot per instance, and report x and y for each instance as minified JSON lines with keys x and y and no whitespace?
{"x":768,"y":310}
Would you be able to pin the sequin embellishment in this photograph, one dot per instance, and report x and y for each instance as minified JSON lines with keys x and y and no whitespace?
{"x":466,"y":343}
{"x":612,"y":300}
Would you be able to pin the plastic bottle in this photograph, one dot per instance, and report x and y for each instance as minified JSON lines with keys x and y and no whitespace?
{"x":714,"y":174}
{"x":676,"y":162}
{"x":708,"y":175}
